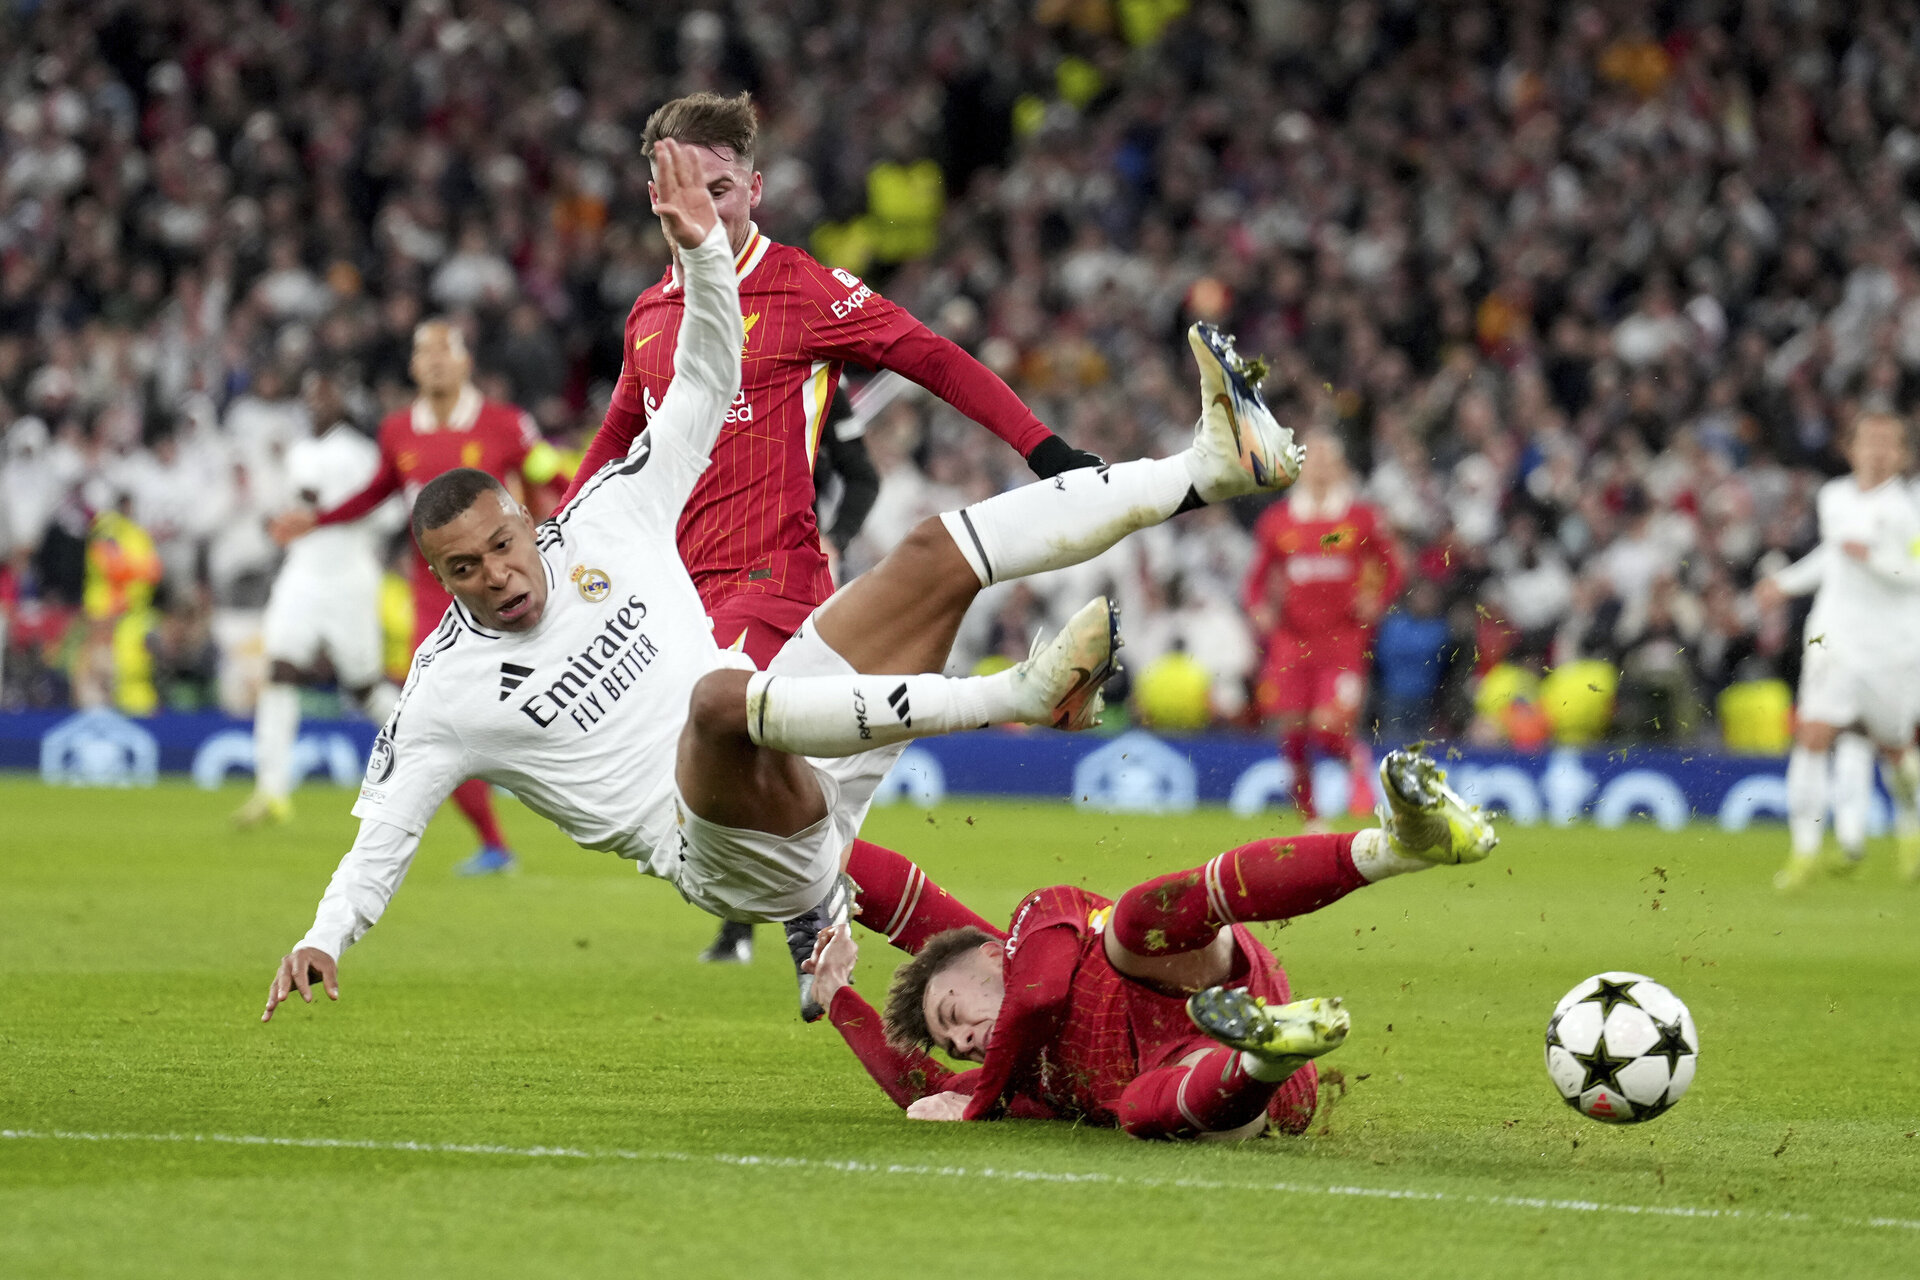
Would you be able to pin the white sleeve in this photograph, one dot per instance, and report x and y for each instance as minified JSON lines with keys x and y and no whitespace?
{"x":1804,"y":575}
{"x":706,"y":367}
{"x":657,"y":476}
{"x":417,"y":760}
{"x":1891,"y":559}
{"x":364,"y":883}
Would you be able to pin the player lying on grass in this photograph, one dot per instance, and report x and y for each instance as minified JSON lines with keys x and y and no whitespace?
{"x":576,"y":666}
{"x":1159,"y":1014}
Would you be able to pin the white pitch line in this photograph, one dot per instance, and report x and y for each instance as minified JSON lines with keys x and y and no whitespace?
{"x":988,"y":1173}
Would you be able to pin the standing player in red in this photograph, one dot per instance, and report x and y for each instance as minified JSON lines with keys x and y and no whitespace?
{"x":748,"y":534}
{"x":1325,"y":569}
{"x":450,"y":425}
{"x":1081,"y":1009}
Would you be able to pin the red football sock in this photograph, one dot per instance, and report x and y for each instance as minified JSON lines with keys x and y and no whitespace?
{"x":1265,"y":880}
{"x":1211,"y":1096}
{"x":475,"y":798}
{"x":1330,"y":743}
{"x":898,"y":899}
{"x":1360,"y":768}
{"x":1293,"y":746}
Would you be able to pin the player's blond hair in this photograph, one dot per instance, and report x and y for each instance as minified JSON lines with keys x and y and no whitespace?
{"x":905,"y":1019}
{"x":706,"y":120}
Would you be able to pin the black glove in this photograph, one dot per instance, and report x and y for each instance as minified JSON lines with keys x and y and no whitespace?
{"x":1053,"y":455}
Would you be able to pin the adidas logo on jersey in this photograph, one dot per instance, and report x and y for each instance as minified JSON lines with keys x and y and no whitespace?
{"x":512,"y":676}
{"x":898,"y":701}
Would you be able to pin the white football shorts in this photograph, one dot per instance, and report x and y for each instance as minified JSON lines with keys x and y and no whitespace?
{"x":339,"y":614}
{"x":753,"y":876}
{"x":1841,"y":691}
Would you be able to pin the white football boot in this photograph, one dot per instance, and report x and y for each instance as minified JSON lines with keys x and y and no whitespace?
{"x":1061,"y":679}
{"x":1238,"y":448}
{"x":1425,"y":818}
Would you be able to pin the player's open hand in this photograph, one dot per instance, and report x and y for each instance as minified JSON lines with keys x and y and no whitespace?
{"x":940,"y":1106}
{"x":299,"y":972}
{"x":680,"y":196}
{"x":834,"y":953}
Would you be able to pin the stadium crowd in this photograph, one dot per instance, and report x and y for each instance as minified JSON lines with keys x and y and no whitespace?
{"x":1590,"y":292}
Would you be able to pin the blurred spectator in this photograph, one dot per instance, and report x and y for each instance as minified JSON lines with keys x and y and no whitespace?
{"x":1411,"y":655}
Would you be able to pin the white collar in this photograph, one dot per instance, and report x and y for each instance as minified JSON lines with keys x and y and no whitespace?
{"x":1339,"y":498}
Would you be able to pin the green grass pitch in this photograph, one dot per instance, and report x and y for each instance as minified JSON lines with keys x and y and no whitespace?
{"x":532,"y":1076}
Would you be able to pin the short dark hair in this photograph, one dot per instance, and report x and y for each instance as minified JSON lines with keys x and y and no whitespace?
{"x":706,"y":120}
{"x":447,"y":495}
{"x":905,"y":1020}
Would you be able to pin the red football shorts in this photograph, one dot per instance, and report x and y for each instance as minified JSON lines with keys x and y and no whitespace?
{"x":757,"y":624}
{"x":1306,"y":674}
{"x":1163,"y":1033}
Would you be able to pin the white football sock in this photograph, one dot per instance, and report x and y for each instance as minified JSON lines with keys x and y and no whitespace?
{"x":1068,"y":519}
{"x":1374,"y":857}
{"x":1898,"y":779}
{"x":1806,"y":800}
{"x":276,"y":722}
{"x":1270,"y":1070}
{"x":1852,"y":792}
{"x":845,"y":715}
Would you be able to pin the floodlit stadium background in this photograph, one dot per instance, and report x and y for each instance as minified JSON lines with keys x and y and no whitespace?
{"x":1589,"y":290}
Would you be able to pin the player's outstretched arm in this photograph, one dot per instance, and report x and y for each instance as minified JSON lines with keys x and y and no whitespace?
{"x":1889,"y":558}
{"x":706,"y":364}
{"x":879,"y":333}
{"x":1800,"y":578}
{"x":290,"y":526}
{"x":357,"y":896}
{"x":909,"y":1077}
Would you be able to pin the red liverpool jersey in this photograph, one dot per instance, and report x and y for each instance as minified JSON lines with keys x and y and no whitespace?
{"x":1319,"y":563}
{"x":1106,"y":1029}
{"x":414,"y":448}
{"x":749,"y":526}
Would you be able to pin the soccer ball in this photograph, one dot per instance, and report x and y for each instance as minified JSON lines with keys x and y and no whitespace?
{"x":1621,"y":1048}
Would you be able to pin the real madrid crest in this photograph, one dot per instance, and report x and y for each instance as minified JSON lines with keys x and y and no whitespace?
{"x":593,"y":584}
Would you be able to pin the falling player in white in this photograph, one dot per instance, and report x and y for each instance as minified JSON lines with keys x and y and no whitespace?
{"x":325,"y":601}
{"x":577,"y":668}
{"x":1861,"y":664}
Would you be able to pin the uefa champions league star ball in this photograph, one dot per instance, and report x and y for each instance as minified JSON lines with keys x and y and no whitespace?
{"x":1621,"y":1048}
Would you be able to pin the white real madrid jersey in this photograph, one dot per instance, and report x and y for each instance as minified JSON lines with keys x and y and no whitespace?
{"x":1864,"y":611}
{"x":581,"y":716}
{"x":326,"y":470}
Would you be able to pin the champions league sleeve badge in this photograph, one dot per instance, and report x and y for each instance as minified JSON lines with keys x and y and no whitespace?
{"x":594,"y":585}
{"x":380,"y":761}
